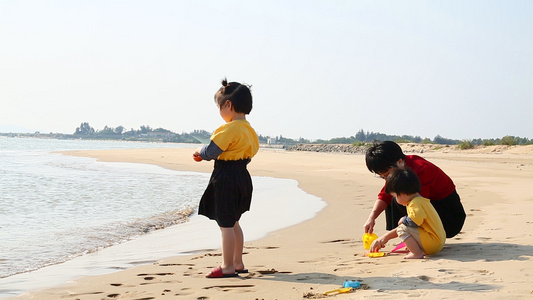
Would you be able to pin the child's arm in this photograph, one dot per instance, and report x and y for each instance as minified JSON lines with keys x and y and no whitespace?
{"x":208,"y":152}
{"x":382,"y":241}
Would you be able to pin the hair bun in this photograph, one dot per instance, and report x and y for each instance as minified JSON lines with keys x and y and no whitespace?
{"x":224,"y":82}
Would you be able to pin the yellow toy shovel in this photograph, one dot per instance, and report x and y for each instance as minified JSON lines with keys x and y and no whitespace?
{"x":338,"y":291}
{"x":375,"y":254}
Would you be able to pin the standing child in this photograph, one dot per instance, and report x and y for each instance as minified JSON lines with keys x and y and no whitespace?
{"x":421,"y":230}
{"x":229,"y":192}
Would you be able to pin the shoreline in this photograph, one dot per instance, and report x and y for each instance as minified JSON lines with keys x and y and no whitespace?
{"x":196,"y":234}
{"x":318,"y":254}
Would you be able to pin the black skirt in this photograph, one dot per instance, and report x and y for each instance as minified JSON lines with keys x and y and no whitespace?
{"x":228,"y":194}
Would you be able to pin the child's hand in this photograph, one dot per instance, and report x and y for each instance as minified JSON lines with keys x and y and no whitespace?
{"x":401,"y":220}
{"x":196,"y":155}
{"x":376,"y":245}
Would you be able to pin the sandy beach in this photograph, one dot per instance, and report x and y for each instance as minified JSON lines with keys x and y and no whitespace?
{"x":491,"y":258}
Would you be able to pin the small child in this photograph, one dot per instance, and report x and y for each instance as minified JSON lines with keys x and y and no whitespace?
{"x":229,"y":192}
{"x":421,"y":230}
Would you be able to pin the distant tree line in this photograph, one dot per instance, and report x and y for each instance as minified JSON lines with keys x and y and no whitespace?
{"x":146,"y":133}
{"x":202,"y":136}
{"x":362,"y":137}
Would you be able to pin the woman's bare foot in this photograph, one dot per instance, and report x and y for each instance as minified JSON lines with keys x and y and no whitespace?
{"x":411,"y":255}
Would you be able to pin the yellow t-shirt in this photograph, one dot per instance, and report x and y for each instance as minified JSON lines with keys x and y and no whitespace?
{"x":430,"y":228}
{"x":237,"y":139}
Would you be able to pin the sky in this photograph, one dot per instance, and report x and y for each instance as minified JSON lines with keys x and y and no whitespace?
{"x":318,"y":69}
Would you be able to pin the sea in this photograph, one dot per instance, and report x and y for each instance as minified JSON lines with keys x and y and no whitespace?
{"x":64,"y":217}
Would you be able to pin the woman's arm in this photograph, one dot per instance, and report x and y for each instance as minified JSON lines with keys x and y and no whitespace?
{"x":379,"y":207}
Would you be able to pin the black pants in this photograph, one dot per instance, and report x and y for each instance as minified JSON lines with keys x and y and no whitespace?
{"x":450,"y":210}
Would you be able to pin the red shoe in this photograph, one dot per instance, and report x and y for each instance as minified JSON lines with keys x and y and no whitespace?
{"x":217,"y":273}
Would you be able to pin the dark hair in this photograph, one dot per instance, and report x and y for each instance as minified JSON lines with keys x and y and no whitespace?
{"x":402,"y":181}
{"x":239,"y":95}
{"x":382,"y":156}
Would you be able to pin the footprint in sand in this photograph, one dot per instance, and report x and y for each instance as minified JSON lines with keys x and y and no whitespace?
{"x":158,"y":274}
{"x":267,"y":247}
{"x":151,"y":277}
{"x":343,"y":241}
{"x":176,"y":265}
{"x":113,"y":295}
{"x":86,"y":294}
{"x":184,"y":292}
{"x":454,"y":274}
{"x":265,"y":272}
{"x":207,"y":254}
{"x":423,"y":277}
{"x":229,"y":286}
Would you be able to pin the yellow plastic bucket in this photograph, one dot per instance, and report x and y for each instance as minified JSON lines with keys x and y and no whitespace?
{"x":368,"y":238}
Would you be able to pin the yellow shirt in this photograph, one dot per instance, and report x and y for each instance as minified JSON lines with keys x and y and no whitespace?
{"x":430,"y":228}
{"x":237,"y":139}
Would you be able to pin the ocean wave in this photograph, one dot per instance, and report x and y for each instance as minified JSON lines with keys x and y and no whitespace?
{"x":82,"y":241}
